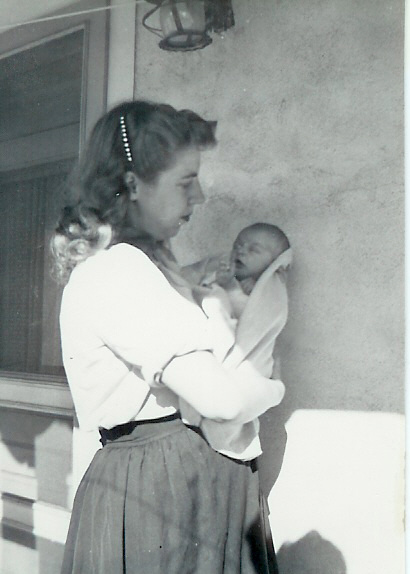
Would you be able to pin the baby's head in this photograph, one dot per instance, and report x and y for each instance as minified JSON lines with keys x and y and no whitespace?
{"x":255,"y":248}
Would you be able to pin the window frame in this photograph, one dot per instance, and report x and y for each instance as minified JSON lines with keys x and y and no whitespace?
{"x":34,"y":391}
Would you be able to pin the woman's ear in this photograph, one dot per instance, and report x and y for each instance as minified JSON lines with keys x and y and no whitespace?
{"x":131,"y":181}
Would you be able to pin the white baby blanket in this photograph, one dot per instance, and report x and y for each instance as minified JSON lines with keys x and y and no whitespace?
{"x":264,"y":316}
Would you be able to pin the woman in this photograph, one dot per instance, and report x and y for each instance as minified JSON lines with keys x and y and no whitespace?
{"x":156,"y":498}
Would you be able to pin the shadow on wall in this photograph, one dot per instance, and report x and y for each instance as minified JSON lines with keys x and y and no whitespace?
{"x":18,"y":432}
{"x":35,"y":453}
{"x":312,"y":554}
{"x":273,"y":438}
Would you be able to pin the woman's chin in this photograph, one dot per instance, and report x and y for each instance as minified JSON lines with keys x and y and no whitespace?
{"x":170,"y":233}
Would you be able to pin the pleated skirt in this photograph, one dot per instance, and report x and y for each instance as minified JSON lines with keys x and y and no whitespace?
{"x":161,"y":501}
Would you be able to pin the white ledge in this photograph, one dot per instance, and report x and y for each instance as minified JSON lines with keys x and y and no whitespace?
{"x":40,"y":519}
{"x":42,"y":394}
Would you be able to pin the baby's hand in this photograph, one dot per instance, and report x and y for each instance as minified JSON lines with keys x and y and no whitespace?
{"x":225,"y":273}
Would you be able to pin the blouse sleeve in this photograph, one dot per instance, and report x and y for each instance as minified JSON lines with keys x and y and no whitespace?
{"x":142,"y":318}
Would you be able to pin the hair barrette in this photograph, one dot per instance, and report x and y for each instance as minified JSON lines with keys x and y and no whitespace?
{"x":124,"y":137}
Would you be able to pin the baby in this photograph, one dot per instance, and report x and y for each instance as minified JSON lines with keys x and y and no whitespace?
{"x":245,"y":297}
{"x":232,"y":278}
{"x":254,"y":250}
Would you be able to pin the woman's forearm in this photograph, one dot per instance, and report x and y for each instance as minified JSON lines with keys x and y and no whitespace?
{"x":257,"y":394}
{"x":238,"y":395}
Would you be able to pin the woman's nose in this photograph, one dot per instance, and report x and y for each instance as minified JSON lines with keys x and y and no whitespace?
{"x":196,"y":197}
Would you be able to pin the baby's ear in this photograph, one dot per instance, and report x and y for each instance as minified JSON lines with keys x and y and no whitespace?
{"x":131,"y":181}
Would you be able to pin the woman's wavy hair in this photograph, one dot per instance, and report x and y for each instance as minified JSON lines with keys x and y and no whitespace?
{"x":96,"y":215}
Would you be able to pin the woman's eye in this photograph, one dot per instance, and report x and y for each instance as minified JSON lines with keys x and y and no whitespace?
{"x":186,"y":185}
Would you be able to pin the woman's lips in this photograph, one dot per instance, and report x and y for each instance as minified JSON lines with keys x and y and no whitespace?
{"x":184,"y":219}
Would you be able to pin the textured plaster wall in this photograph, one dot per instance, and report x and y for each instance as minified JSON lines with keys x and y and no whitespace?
{"x":309,"y":100}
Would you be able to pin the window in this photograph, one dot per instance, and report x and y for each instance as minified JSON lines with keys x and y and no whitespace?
{"x":53,"y":89}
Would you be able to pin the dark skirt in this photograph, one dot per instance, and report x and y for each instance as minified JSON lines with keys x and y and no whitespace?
{"x":160,"y":501}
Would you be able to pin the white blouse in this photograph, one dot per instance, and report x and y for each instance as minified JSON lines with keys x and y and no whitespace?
{"x":121,"y":323}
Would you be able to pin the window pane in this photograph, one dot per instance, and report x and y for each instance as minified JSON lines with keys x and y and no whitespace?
{"x":40,"y":113}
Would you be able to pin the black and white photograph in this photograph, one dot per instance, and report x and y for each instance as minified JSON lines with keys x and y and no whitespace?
{"x":202,"y":287}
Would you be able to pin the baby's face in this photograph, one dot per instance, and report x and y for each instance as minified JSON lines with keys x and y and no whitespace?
{"x":253,"y":251}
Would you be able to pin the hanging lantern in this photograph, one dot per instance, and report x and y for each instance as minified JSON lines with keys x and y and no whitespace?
{"x":183,"y":24}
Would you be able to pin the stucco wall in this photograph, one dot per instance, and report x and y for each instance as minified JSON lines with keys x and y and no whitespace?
{"x":309,"y":100}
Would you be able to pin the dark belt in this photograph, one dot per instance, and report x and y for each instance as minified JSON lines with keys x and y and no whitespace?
{"x":107,"y":435}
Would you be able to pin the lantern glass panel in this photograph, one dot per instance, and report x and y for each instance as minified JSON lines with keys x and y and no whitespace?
{"x":191,"y":15}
